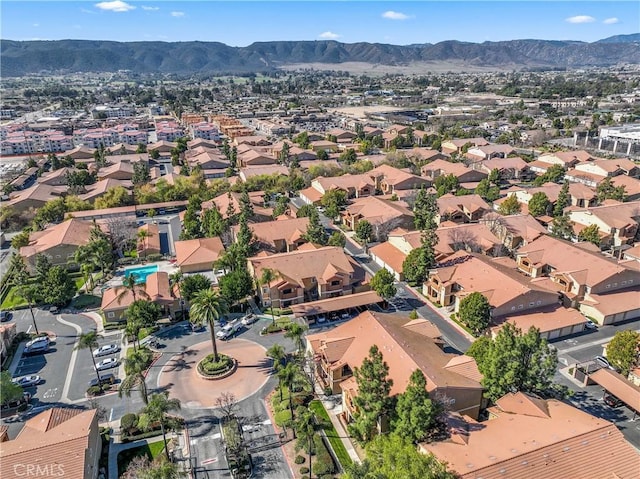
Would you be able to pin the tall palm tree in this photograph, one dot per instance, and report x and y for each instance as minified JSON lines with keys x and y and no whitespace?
{"x":30,"y":294}
{"x":129,"y":285}
{"x":278,"y":354}
{"x":142,"y":236}
{"x":289,"y":376}
{"x":136,"y":367}
{"x":268,"y":276}
{"x":156,"y":412}
{"x":295,"y":332}
{"x":176,"y":279}
{"x":305,"y":425}
{"x":90,"y":341}
{"x":206,"y":307}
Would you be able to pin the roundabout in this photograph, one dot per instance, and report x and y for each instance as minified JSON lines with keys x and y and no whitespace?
{"x":180,"y":376}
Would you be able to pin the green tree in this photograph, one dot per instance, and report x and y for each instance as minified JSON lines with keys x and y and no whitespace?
{"x":295,"y":332}
{"x":510,"y":206}
{"x":192,"y":226}
{"x":31,"y":294}
{"x":486,"y":191}
{"x":394,"y":457}
{"x":18,"y":268}
{"x":591,"y":234}
{"x":9,"y":392}
{"x":479,"y":349}
{"x":90,"y":341}
{"x":539,"y":204}
{"x":348,"y":156}
{"x":113,"y":197}
{"x":306,"y":211}
{"x":136,"y":366}
{"x":494,"y":177}
{"x":59,"y":288}
{"x":278,"y":355}
{"x":315,"y":230}
{"x":156,"y":412}
{"x":154,"y":154}
{"x":607,"y":191}
{"x":206,"y":308}
{"x":141,"y":174}
{"x":554,"y":174}
{"x":415,"y":267}
{"x":332,"y":200}
{"x":236,"y":285}
{"x":42,"y":267}
{"x":517,"y":362}
{"x":337,"y":239}
{"x":623,"y":351}
{"x":562,"y":227}
{"x":383,"y":284}
{"x":475,"y":312}
{"x":141,"y":148}
{"x":141,"y":314}
{"x":20,"y":240}
{"x":267,"y":277}
{"x":416,"y":415}
{"x":141,"y":467}
{"x":322,"y":155}
{"x":305,"y":426}
{"x":131,"y":286}
{"x":194,"y":283}
{"x":372,"y":401}
{"x":446,"y":184}
{"x":289,"y":377}
{"x":564,"y":200}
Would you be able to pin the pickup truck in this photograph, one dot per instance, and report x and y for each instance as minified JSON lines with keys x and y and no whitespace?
{"x":229,"y":330}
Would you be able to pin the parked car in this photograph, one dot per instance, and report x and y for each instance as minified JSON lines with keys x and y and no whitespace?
{"x":249,"y":319}
{"x":26,"y":381}
{"x":602,"y":361}
{"x":37,"y":345}
{"x":590,"y":324}
{"x":229,"y":330}
{"x":108,"y":378}
{"x":612,"y":401}
{"x":106,"y":350}
{"x":107,"y":364}
{"x":5,"y":316}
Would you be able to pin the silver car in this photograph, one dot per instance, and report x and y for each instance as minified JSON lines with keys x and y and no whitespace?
{"x":27,"y":381}
{"x":107,"y":364}
{"x":106,"y":350}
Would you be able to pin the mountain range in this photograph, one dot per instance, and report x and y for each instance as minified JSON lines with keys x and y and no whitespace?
{"x":65,"y":56}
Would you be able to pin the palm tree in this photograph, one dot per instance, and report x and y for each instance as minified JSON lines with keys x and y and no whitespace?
{"x":85,"y":258}
{"x":136,"y":367}
{"x":206,"y":307}
{"x":129,"y":285}
{"x":295,"y":332}
{"x":176,"y":278}
{"x":30,"y":294}
{"x":277,"y":353}
{"x":142,"y":236}
{"x":268,"y":276}
{"x":90,"y":341}
{"x":288,"y":377}
{"x":305,"y":425}
{"x":156,"y":412}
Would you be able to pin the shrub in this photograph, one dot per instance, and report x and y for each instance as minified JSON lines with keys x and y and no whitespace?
{"x":211,"y":367}
{"x":94,"y":390}
{"x":304,"y":470}
{"x":324,"y":462}
{"x":128,"y":423}
{"x":154,"y":257}
{"x":413,"y":314}
{"x":283,"y":417}
{"x":300,"y":460}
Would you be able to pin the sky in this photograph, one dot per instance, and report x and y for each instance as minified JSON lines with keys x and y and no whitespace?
{"x":240,"y":23}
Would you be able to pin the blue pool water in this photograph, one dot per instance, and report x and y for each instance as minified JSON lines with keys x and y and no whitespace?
{"x":141,"y":272}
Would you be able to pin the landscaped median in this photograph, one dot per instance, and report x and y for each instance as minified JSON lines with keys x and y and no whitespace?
{"x":208,"y":368}
{"x":332,"y":435}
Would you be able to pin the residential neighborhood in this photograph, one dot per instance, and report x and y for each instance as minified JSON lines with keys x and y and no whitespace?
{"x":296,"y":275}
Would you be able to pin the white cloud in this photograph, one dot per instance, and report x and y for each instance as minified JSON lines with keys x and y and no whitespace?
{"x":115,"y":6}
{"x":150,"y":9}
{"x":328,"y":35}
{"x":391,"y":15}
{"x":611,"y":21}
{"x":177,"y":14}
{"x":580,"y":19}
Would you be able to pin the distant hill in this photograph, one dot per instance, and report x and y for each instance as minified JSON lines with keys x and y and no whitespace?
{"x":20,"y":58}
{"x":632,"y":38}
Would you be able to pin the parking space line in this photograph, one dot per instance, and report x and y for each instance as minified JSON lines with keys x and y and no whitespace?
{"x":72,"y":365}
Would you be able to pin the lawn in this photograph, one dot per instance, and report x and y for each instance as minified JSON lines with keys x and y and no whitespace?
{"x":13,"y":300}
{"x":335,"y":441}
{"x":85,"y":301}
{"x":79,"y":283}
{"x":151,"y":450}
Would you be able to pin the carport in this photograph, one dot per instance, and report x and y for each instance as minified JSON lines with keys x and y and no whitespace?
{"x":617,"y":385}
{"x":338,"y":303}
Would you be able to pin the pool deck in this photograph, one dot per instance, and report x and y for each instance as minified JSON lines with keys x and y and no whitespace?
{"x":116,"y":281}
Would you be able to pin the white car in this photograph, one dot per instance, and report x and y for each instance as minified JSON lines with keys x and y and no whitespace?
{"x":590,"y":324}
{"x":228,"y":330}
{"x":106,"y":350}
{"x":249,"y":319}
{"x":107,"y":364}
{"x":27,"y":381}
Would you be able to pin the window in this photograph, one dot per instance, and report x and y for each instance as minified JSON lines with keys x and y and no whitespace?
{"x":286,"y":291}
{"x":538,"y":302}
{"x":623,"y":283}
{"x":531,"y":304}
{"x":335,"y":283}
{"x":265,"y":290}
{"x":520,"y":306}
{"x":111,"y":314}
{"x":608,"y":286}
{"x":513,"y":308}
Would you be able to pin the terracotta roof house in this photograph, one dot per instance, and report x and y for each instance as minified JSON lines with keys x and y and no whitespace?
{"x":343,"y":136}
{"x":579,"y":274}
{"x":253,"y":140}
{"x":58,"y":242}
{"x":231,"y":201}
{"x":406,"y":345}
{"x":148,"y":240}
{"x":251,"y":171}
{"x":254,"y":158}
{"x":122,"y":170}
{"x":56,"y":177}
{"x":614,"y":167}
{"x":631,"y":186}
{"x":58,"y":442}
{"x":192,"y":144}
{"x":421,"y":154}
{"x":383,"y":215}
{"x":156,"y":288}
{"x":507,"y":291}
{"x":328,"y":146}
{"x":280,"y":236}
{"x":566,"y":159}
{"x":526,"y":437}
{"x":306,"y":275}
{"x":553,"y":322}
{"x":198,"y":254}
{"x":81,"y":153}
{"x":355,"y":186}
{"x":35,"y":197}
{"x":8,"y":332}
{"x":459,"y":170}
{"x":208,"y":160}
{"x":461,"y":209}
{"x":456,"y":145}
{"x":389,"y":179}
{"x":119,"y":148}
{"x":515,"y":230}
{"x":164,"y":147}
{"x":100,"y":188}
{"x":511,"y":168}
{"x":487,"y":152}
{"x":618,"y":222}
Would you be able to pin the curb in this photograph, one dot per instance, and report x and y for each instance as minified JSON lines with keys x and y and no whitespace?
{"x":278,"y":430}
{"x":222,"y":376}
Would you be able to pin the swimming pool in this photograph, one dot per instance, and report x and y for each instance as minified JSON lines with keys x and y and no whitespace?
{"x":141,"y":272}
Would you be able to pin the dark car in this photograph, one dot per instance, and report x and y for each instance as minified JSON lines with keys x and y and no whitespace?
{"x":107,"y":378}
{"x":612,"y":401}
{"x":5,"y":316}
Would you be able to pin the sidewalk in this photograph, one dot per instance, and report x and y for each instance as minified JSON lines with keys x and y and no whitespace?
{"x":96,"y":318}
{"x":116,"y":448}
